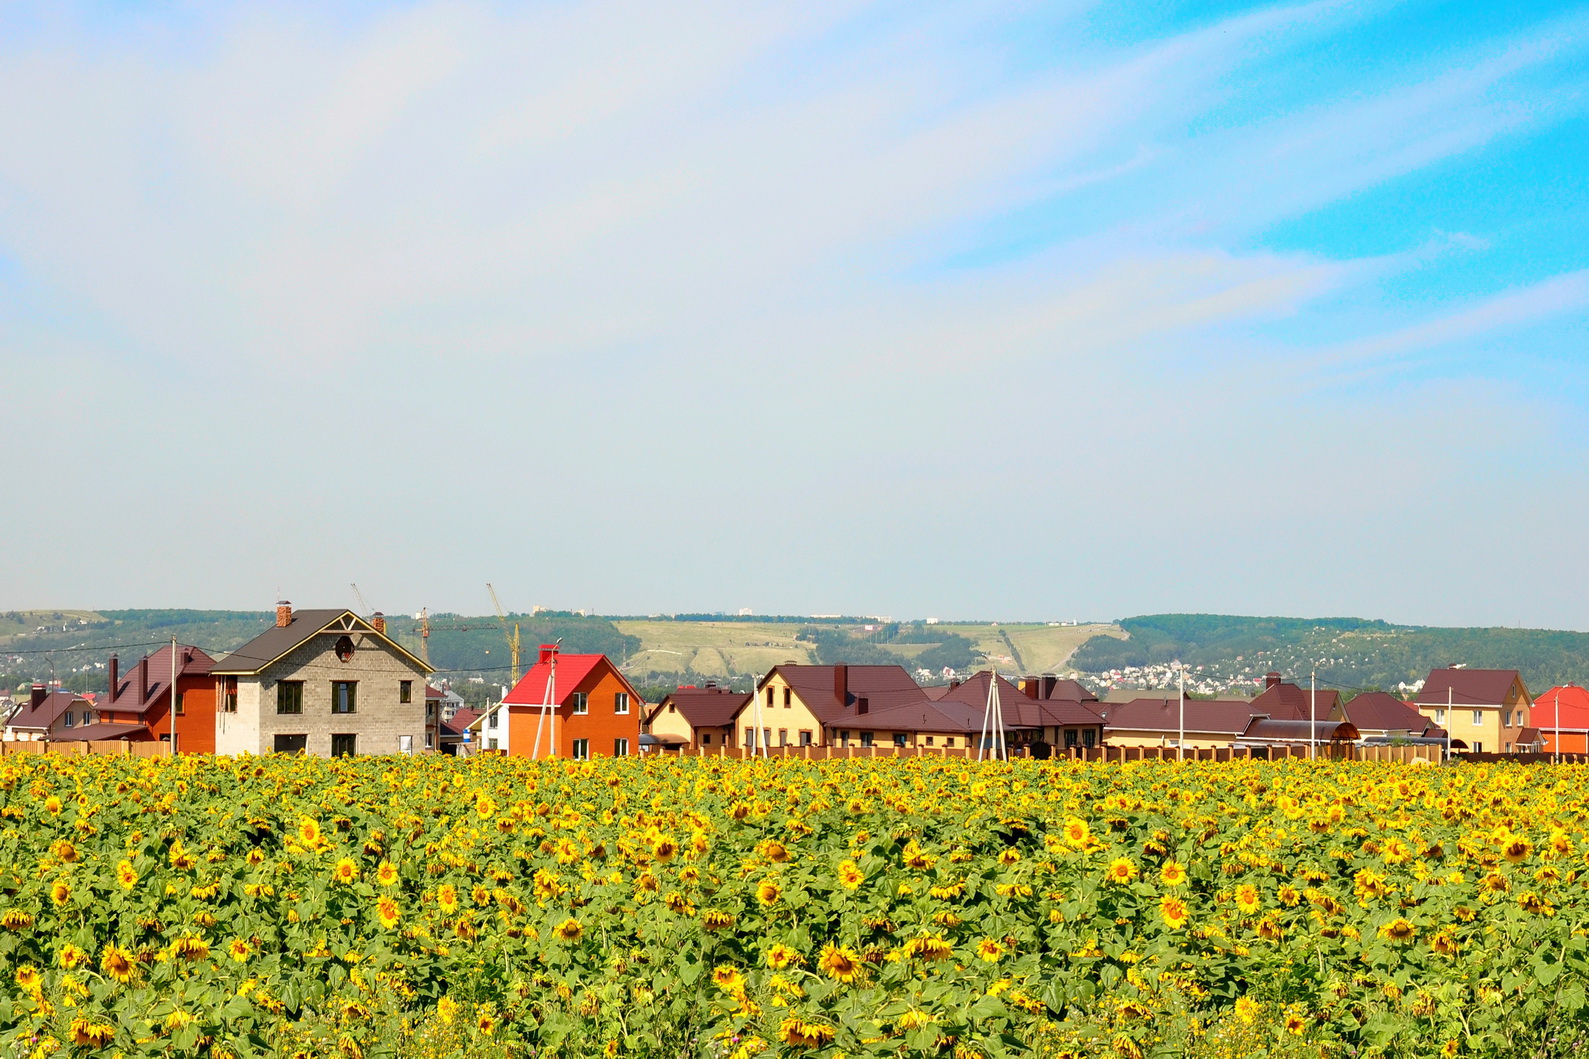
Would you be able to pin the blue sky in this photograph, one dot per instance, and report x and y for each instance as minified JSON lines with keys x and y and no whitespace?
{"x":1022,"y":311}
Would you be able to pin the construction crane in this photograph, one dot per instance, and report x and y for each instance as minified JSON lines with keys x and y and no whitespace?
{"x":513,"y":641}
{"x":364,"y":608}
{"x":424,"y":635}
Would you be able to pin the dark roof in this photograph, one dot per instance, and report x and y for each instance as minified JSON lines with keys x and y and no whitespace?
{"x":56,"y":702}
{"x":276,"y":641}
{"x":1529,"y":737}
{"x":1375,"y":711}
{"x":1289,"y":701}
{"x":1221,"y":716}
{"x":90,"y":732}
{"x":432,"y":692}
{"x":926,"y":715}
{"x":1468,"y":687}
{"x":1271,"y":730}
{"x":128,"y":697}
{"x":704,"y":707}
{"x":1019,"y":710}
{"x":460,"y":720}
{"x":818,"y":687}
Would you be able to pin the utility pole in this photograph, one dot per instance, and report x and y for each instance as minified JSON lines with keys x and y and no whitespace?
{"x":758,"y":718}
{"x":1180,"y":735}
{"x":1450,"y":720}
{"x":173,"y":692}
{"x":1313,"y":713}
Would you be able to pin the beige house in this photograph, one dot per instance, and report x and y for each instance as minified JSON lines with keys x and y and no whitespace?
{"x":694,"y":719}
{"x":1486,"y":708}
{"x":807,"y":705}
{"x":322,"y":682}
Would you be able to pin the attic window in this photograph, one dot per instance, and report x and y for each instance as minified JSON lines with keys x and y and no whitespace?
{"x":344,"y":648}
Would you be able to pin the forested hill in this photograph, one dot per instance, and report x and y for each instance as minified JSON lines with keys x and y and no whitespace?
{"x":1350,"y":652}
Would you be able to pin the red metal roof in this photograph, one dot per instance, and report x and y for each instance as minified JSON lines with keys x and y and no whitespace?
{"x":571,"y":673}
{"x":1573,"y":704}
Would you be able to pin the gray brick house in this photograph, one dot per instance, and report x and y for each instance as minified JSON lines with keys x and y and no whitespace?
{"x":322,"y":682}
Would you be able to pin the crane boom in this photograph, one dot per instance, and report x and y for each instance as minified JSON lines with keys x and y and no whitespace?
{"x":364,"y":608}
{"x":513,"y":640}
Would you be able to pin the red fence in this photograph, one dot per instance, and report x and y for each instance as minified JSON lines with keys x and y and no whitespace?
{"x":113,"y":747}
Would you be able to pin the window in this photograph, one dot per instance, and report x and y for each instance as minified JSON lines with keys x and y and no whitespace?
{"x":291,"y":744}
{"x":899,"y":738}
{"x":620,"y":748}
{"x":344,"y":649}
{"x":1478,"y":748}
{"x":495,"y":720}
{"x":929,"y":740}
{"x":620,"y":702}
{"x":581,"y":749}
{"x":786,"y":697}
{"x":181,"y":703}
{"x":949,"y":741}
{"x":430,"y":740}
{"x":405,"y":691}
{"x":1070,"y":738}
{"x":805,"y":737}
{"x":430,"y":711}
{"x":783,"y":737}
{"x":766,"y":737}
{"x":769,"y":698}
{"x":229,"y":695}
{"x":581,"y":702}
{"x":343,"y":699}
{"x":344,"y":745}
{"x":1089,"y":737}
{"x":405,"y":744}
{"x":673,"y":707}
{"x":1440,"y":717}
{"x":706,"y":738}
{"x":70,"y":720}
{"x":289,"y":696}
{"x":866,"y":738}
{"x":750,"y":737}
{"x":491,"y":744}
{"x":1478,"y":716}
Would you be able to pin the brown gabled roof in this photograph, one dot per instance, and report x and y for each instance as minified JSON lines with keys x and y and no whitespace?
{"x":460,"y":720}
{"x":56,"y":702}
{"x":276,"y":642}
{"x":1273,"y":730}
{"x":1381,"y":711}
{"x":128,"y":697}
{"x":926,"y":715}
{"x":1215,"y":716}
{"x":1468,"y":687}
{"x":1023,"y":712}
{"x":704,"y":707}
{"x":1291,"y":702}
{"x":818,"y":686}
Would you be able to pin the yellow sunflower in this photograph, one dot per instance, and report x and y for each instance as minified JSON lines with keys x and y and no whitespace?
{"x":387,"y":911}
{"x":839,"y":963}
{"x":1173,"y":911}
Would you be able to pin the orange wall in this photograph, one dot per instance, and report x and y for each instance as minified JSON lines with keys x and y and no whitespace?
{"x":1571,"y":742}
{"x":196,"y":722}
{"x":601,"y":725}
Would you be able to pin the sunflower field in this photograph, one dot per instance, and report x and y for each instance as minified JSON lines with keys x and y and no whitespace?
{"x":723,"y":909}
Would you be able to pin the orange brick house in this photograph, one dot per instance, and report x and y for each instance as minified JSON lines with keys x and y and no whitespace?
{"x":137,"y":703}
{"x":595,"y":711}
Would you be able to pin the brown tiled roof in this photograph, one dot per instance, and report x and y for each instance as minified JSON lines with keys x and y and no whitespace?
{"x":704,"y":707}
{"x":56,"y":702}
{"x":1468,"y":687}
{"x":90,"y":732}
{"x":1288,"y":701}
{"x":925,"y":715}
{"x":1382,"y":711}
{"x":275,"y":641}
{"x":881,"y":686}
{"x":460,"y":720}
{"x":1220,"y":716}
{"x":1022,"y":712}
{"x":126,"y":696}
{"x":1529,"y":737}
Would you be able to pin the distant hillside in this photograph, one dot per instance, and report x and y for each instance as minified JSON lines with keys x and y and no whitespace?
{"x":1235,"y":652}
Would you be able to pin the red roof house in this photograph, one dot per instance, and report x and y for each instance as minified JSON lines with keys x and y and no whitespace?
{"x":1562,"y":717}
{"x":594,"y":710}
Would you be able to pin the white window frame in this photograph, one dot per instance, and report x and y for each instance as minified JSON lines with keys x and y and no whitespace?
{"x":581,"y":750}
{"x":620,"y":747}
{"x":620,"y":702}
{"x":1478,"y":718}
{"x":581,"y":703}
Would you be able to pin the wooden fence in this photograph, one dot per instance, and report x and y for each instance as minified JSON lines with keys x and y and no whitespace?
{"x":112,"y":747}
{"x":1405,"y":754}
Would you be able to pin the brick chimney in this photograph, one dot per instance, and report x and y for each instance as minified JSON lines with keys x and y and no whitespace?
{"x":548,"y":652}
{"x":143,"y":679}
{"x":36,"y":696}
{"x":1050,"y":681}
{"x":378,"y":622}
{"x":283,"y":614}
{"x":1271,"y":679}
{"x":1029,"y":685}
{"x":841,"y":684}
{"x":114,"y":669}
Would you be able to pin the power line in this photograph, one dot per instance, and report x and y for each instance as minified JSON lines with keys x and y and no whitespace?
{"x":8,"y":652}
